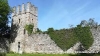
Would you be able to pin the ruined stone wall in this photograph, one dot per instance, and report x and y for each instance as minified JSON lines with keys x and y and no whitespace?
{"x":96,"y":45}
{"x":40,"y":43}
{"x":95,"y":48}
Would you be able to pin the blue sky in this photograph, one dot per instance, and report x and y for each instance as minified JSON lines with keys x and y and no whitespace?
{"x":62,"y":13}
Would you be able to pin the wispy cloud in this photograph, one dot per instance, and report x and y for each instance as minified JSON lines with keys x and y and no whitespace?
{"x":54,"y":15}
{"x":80,"y":8}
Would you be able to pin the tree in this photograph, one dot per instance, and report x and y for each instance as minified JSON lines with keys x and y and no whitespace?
{"x":90,"y":23}
{"x":50,"y":30}
{"x":38,"y":30}
{"x":83,"y":23}
{"x":71,"y":26}
{"x":4,"y":15}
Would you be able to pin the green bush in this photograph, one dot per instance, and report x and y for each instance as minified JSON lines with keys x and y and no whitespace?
{"x":84,"y":35}
{"x":63,"y":38}
{"x":39,"y":31}
{"x":50,"y":30}
{"x":29,"y":28}
{"x":66,"y":38}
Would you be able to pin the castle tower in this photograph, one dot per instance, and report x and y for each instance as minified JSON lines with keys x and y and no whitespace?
{"x":21,"y":16}
{"x":25,"y":15}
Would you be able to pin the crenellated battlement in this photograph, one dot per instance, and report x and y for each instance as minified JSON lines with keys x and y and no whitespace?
{"x":24,"y":8}
{"x":25,"y":14}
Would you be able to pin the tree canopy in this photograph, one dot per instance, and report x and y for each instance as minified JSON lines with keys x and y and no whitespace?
{"x":90,"y":23}
{"x":4,"y":15}
{"x":66,"y":38}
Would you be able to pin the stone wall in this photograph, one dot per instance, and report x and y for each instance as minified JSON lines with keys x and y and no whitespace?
{"x":40,"y":43}
{"x":95,"y":48}
{"x":96,"y":45}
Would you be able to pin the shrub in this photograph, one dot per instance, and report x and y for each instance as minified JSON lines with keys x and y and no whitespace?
{"x":84,"y":35}
{"x":39,"y":31}
{"x":63,"y":38}
{"x":50,"y":30}
{"x":66,"y":38}
{"x":29,"y":28}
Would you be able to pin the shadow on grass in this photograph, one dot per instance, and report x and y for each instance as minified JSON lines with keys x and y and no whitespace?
{"x":84,"y":54}
{"x":2,"y":54}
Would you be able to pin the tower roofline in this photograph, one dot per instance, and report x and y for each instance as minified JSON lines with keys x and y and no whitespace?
{"x":28,"y":7}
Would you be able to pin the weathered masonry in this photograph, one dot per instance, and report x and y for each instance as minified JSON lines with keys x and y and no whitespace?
{"x":22,"y":15}
{"x":20,"y":41}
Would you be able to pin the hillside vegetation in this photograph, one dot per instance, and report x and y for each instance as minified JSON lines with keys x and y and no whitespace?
{"x":66,"y":38}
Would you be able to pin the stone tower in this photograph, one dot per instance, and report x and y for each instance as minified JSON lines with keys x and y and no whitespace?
{"x":35,"y":43}
{"x":21,"y":16}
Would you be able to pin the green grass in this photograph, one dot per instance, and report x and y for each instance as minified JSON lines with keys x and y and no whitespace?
{"x":53,"y":54}
{"x":37,"y":55}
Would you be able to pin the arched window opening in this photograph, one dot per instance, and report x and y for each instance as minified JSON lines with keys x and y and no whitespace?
{"x":19,"y":20}
{"x":32,"y":20}
{"x":18,"y":46}
{"x":24,"y":31}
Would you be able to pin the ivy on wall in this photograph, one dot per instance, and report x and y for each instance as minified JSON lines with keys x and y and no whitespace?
{"x":84,"y":35}
{"x":63,"y":38}
{"x":29,"y":28}
{"x":66,"y":38}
